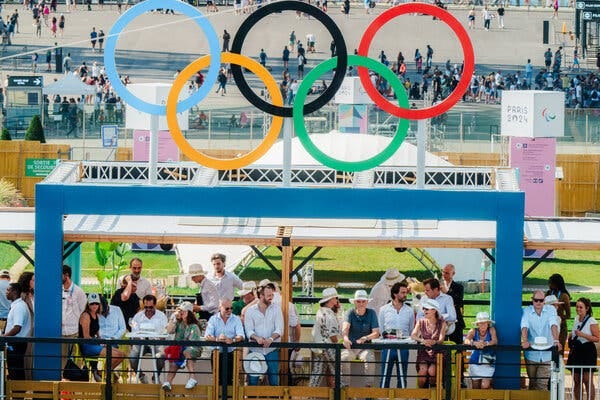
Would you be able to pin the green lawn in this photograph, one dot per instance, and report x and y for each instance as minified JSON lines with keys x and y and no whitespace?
{"x":9,"y":255}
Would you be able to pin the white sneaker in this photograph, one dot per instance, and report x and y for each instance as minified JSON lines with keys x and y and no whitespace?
{"x":191,"y":383}
{"x":166,"y":386}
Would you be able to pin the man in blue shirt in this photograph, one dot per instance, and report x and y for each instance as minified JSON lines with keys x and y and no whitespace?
{"x":360,"y":326}
{"x":539,"y":324}
{"x":225,"y":327}
{"x":4,"y":302}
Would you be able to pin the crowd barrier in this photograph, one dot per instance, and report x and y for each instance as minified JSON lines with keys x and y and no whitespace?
{"x":294,"y":375}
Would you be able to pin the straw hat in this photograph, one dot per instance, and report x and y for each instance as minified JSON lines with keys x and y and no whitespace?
{"x":541,"y":343}
{"x":551,"y":300}
{"x":328,"y":294}
{"x":247,"y":287}
{"x":360,"y":295}
{"x":392,"y":275}
{"x":482,"y":317}
{"x":255,"y":364}
{"x":196,"y":269}
{"x":264,"y":283}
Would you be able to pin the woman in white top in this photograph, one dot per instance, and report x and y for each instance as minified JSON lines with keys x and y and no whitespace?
{"x":582,"y":350}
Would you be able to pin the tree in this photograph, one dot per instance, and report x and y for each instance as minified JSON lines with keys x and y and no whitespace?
{"x":5,"y":134}
{"x":35,"y":131}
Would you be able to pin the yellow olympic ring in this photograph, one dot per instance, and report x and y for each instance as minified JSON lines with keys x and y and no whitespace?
{"x":220,"y":163}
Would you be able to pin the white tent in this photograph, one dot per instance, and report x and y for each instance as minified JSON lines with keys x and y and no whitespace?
{"x":70,"y":84}
{"x":348,"y":147}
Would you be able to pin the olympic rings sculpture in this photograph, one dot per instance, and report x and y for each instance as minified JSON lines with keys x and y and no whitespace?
{"x":276,"y":109}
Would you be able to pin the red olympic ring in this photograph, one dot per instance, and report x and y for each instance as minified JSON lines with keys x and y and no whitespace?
{"x":463,"y":83}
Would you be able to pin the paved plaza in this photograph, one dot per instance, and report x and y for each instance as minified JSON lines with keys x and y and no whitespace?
{"x":155,"y":45}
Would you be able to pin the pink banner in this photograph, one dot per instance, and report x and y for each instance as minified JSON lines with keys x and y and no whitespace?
{"x":536,"y":161}
{"x":167,"y":149}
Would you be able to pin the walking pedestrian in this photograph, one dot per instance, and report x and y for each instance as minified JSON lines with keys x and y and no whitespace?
{"x":93,"y":38}
{"x":100,"y":40}
{"x":226,"y":39}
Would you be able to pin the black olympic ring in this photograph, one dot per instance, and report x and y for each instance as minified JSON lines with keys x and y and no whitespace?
{"x":340,"y":45}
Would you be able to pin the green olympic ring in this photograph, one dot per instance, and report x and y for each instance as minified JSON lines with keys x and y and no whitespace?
{"x":313,"y":150}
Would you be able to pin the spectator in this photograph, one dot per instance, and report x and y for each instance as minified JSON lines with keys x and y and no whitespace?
{"x":112,"y":321}
{"x":264,"y":325}
{"x":539,"y":329}
{"x":456,"y":291}
{"x":360,"y":326}
{"x":19,"y":324}
{"x":429,"y":331}
{"x":74,"y":302}
{"x":4,"y":301}
{"x":144,"y":286}
{"x":380,"y":293}
{"x":129,"y":307}
{"x":225,"y":327}
{"x":396,"y":317}
{"x":225,"y":281}
{"x":247,"y":295}
{"x":89,"y":328}
{"x":207,"y":298}
{"x":582,"y":349}
{"x":482,"y":362}
{"x":446,"y":304}
{"x":185,"y":327}
{"x":325,"y":330}
{"x":557,"y":287}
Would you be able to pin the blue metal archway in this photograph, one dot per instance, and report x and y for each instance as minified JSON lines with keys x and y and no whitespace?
{"x":53,"y":201}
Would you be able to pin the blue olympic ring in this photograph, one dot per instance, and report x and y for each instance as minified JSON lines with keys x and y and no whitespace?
{"x":126,"y":18}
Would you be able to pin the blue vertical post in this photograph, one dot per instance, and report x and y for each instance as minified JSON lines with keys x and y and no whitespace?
{"x":48,"y":279}
{"x":74,"y":261}
{"x":508,"y":288}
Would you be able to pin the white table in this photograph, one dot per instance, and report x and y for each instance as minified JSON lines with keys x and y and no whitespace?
{"x":398,"y":354}
{"x":147,"y":336}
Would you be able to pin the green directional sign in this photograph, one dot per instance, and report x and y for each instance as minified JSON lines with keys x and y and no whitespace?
{"x":39,"y":166}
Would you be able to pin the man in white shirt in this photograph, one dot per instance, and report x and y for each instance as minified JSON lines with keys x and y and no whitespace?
{"x":74,"y":301}
{"x":447,"y":309}
{"x":144,"y":286}
{"x":225,"y":281}
{"x":146,"y":318}
{"x":18,"y":324}
{"x":264,"y":325}
{"x":207,"y":298}
{"x":396,"y":317}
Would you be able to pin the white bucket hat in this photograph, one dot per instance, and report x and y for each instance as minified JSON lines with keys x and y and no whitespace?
{"x":541,"y":343}
{"x":392,"y":275}
{"x":360,"y":295}
{"x":482,"y":317}
{"x":196,"y":269}
{"x":430,"y":304}
{"x":247,"y":287}
{"x":328,"y":294}
{"x":255,"y":364}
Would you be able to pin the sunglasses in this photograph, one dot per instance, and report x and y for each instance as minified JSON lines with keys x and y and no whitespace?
{"x":537,"y":300}
{"x":228,"y":308}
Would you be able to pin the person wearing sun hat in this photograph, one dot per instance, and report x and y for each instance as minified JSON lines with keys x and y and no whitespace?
{"x":325,"y":330}
{"x":539,"y":331}
{"x":207,"y":298}
{"x":247,"y":295}
{"x":380,"y":293}
{"x":482,"y":362}
{"x":429,"y":331}
{"x":360,"y":326}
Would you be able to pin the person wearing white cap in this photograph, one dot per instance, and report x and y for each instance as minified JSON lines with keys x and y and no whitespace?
{"x":482,"y":362}
{"x":380,"y":293}
{"x":429,"y":331}
{"x":225,"y":327}
{"x":539,"y":322}
{"x":325,"y":330}
{"x":263,"y":323}
{"x":4,"y":302}
{"x":396,"y":318}
{"x":360,"y":326}
{"x":225,"y":281}
{"x":184,"y":325}
{"x":207,"y":298}
{"x":247,"y":295}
